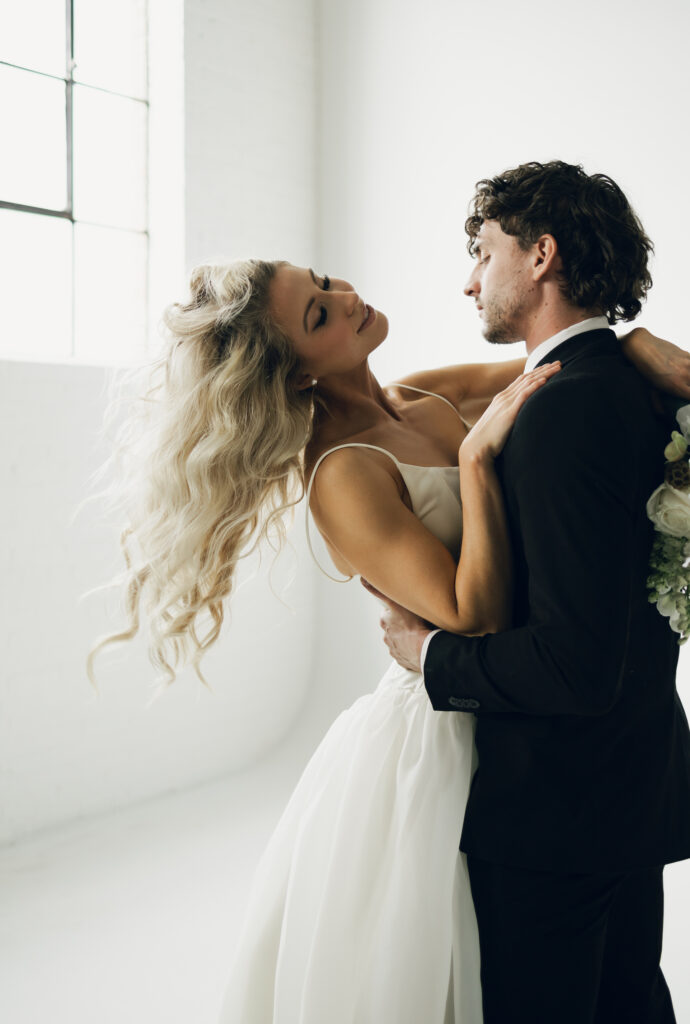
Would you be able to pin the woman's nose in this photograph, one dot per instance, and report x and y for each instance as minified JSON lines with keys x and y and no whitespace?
{"x":349,"y":298}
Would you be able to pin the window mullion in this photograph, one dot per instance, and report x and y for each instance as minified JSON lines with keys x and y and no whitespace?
{"x":69,"y":85}
{"x":69,"y":35}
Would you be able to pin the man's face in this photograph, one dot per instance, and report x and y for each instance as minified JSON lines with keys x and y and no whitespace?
{"x":501,"y":284}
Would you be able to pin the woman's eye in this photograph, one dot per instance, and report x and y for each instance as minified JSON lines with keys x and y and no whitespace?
{"x":323,"y":317}
{"x":484,"y":259}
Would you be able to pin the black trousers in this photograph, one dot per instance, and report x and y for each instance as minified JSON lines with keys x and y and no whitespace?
{"x":570,"y":949}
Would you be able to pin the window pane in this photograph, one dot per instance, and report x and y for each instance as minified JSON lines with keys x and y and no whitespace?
{"x":33,"y":168}
{"x":33,"y":34}
{"x":110,"y":45}
{"x":110,"y":288}
{"x":35,"y":285}
{"x":109,"y":159}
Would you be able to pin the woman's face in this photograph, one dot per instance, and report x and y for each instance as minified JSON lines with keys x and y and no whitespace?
{"x":332,"y":329}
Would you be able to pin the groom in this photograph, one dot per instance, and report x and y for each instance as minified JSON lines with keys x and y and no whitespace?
{"x":583,"y":788}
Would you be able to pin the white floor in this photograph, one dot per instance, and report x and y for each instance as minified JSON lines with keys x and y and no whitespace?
{"x":132,"y":918}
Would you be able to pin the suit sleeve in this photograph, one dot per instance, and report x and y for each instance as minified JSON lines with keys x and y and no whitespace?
{"x":574,"y":479}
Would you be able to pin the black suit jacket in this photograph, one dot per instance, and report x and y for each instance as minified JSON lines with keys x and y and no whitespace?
{"x":584,"y":750}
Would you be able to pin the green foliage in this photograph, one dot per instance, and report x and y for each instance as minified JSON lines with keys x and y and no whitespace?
{"x":669,"y":581}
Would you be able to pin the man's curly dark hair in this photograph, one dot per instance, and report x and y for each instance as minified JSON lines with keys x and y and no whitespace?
{"x":603,"y":246}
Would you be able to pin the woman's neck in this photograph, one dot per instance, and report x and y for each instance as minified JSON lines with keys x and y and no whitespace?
{"x":352,"y":403}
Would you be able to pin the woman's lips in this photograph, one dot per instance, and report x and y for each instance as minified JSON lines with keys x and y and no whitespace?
{"x":370,"y":317}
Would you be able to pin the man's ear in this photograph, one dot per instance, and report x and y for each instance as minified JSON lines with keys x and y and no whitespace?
{"x":547,"y":257}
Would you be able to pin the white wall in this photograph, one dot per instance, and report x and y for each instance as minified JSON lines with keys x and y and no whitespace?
{"x":418,"y":101}
{"x":250,"y":129}
{"x":249,"y":124}
{"x":66,"y":751}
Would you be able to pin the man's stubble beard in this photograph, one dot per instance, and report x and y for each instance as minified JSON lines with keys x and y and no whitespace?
{"x":501,"y":325}
{"x":504,"y":316}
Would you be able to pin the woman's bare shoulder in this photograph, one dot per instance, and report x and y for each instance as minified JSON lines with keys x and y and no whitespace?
{"x":348,"y":460}
{"x":348,"y":474}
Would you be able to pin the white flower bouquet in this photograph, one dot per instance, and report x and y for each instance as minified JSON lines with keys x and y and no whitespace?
{"x":669,"y":509}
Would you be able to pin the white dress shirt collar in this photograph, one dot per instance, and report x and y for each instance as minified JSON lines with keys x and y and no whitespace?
{"x":593,"y":323}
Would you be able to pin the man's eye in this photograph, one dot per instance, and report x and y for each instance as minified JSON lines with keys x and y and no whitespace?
{"x":326,"y":282}
{"x":322,"y":318}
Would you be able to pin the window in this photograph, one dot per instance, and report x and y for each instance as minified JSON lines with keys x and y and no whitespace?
{"x":73,"y":180}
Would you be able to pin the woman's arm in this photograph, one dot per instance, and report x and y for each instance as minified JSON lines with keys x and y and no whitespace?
{"x":359,"y":509}
{"x":471,"y":387}
{"x":664,"y":364}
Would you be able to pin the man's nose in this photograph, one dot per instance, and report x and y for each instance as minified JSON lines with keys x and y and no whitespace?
{"x":472,"y":286}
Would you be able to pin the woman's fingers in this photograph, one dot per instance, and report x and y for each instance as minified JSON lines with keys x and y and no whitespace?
{"x":491,"y":431}
{"x":529,"y":383}
{"x":540,"y":373}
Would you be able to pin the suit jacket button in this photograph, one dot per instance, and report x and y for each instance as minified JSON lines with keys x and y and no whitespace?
{"x":463,"y":703}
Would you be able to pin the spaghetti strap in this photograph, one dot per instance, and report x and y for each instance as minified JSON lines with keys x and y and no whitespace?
{"x":352,"y":444}
{"x":432,"y":394}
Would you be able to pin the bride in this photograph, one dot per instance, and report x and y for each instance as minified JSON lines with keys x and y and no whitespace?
{"x":360,"y":910}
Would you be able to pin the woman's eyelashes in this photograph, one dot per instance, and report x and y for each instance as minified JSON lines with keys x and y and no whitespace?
{"x":323,"y":316}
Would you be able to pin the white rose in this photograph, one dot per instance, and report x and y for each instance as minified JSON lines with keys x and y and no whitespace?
{"x":676,"y":448}
{"x":683,"y":417}
{"x":669,"y":510}
{"x":666,"y":605}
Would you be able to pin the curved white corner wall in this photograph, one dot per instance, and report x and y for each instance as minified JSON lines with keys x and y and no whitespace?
{"x":66,"y":751}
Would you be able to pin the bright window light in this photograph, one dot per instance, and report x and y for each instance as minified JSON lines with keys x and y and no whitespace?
{"x":33,"y":168}
{"x":109,"y":159}
{"x":33,"y":34}
{"x":110,"y":45}
{"x":73,"y":180}
{"x":35,"y":285}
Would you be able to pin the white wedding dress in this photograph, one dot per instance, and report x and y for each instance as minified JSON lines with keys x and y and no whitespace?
{"x":360,"y":911}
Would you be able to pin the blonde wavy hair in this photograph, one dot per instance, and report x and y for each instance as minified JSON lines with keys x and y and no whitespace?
{"x":206,"y":461}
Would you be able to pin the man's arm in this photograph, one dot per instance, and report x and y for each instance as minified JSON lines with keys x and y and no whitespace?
{"x":575,"y":483}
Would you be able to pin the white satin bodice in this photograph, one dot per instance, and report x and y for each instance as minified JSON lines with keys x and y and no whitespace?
{"x":434,"y":492}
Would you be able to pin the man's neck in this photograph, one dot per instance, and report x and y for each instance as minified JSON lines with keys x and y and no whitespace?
{"x":543,"y":350}
{"x":549,"y":322}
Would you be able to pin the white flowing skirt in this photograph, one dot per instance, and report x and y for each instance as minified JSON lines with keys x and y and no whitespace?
{"x":360,"y":911}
